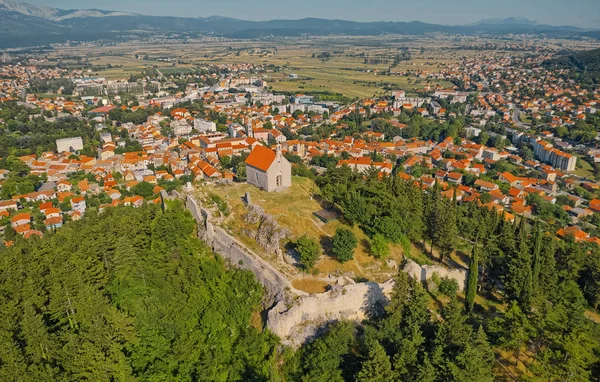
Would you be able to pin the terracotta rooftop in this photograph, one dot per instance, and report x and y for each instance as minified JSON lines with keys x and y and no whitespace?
{"x":261,"y":158}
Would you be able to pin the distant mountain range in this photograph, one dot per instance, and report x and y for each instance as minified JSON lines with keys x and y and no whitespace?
{"x":23,"y":24}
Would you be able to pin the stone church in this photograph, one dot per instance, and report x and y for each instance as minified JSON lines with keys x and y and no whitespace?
{"x":268,"y":170}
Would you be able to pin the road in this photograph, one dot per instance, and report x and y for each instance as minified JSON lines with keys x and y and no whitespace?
{"x":515,"y":117}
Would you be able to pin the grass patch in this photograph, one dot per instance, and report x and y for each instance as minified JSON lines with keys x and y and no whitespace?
{"x":584,"y":168}
{"x":310,"y":285}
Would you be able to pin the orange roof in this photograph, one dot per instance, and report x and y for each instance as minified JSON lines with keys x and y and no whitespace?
{"x":261,"y":158}
{"x":30,"y":233}
{"x":50,"y":211}
{"x":21,"y":216}
{"x":53,"y":221}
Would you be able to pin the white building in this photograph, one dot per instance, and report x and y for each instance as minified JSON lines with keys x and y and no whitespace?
{"x":203,"y":126}
{"x":69,"y":144}
{"x":181,"y":127}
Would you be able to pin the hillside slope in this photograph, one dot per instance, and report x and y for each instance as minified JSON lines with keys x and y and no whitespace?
{"x":585,"y":65}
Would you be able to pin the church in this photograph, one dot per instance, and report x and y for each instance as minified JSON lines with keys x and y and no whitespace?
{"x":268,"y":170}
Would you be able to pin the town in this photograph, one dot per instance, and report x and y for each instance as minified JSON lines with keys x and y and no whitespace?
{"x":487,"y":140}
{"x":313,"y":207}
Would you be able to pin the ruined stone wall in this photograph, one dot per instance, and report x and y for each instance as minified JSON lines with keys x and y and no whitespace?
{"x":298,"y":320}
{"x":297,"y":316}
{"x":425,"y":272}
{"x":238,"y":255}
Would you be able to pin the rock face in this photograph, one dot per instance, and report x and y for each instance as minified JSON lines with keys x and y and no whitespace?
{"x":295,"y":321}
{"x":425,"y":272}
{"x":269,"y":234}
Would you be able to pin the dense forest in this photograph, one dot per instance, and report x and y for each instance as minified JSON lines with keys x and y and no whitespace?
{"x":128,"y":295}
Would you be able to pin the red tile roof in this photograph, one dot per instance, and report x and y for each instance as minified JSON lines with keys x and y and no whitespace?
{"x":261,"y":158}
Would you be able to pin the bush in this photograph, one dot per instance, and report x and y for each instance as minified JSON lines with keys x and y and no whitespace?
{"x":379,"y":246}
{"x":143,"y":189}
{"x":344,"y":243}
{"x":220,"y":203}
{"x":309,"y":251}
{"x":448,"y":287}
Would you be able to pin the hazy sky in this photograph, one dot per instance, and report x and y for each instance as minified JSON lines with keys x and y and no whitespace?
{"x":583,"y":13}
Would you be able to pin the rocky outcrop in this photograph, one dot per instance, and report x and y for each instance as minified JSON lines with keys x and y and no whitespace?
{"x":269,"y":234}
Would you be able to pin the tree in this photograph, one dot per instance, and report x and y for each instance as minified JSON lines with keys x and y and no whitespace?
{"x":377,"y":368}
{"x":143,"y":189}
{"x":379,"y":246}
{"x":309,"y":251}
{"x":444,"y":229}
{"x":472,"y":280}
{"x":344,"y":244}
{"x":513,"y":330}
{"x":537,"y":252}
{"x":240,"y":172}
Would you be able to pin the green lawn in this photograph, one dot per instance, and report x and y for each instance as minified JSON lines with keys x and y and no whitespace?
{"x":584,"y":168}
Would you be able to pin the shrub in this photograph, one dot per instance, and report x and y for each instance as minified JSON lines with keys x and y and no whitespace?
{"x":309,"y":251}
{"x":379,"y":246}
{"x":344,"y":243}
{"x":448,"y":287}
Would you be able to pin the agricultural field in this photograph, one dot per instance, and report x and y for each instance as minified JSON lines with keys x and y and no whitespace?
{"x":356,"y":67}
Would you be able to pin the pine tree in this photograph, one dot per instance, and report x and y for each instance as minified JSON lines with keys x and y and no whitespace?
{"x":425,"y":371}
{"x":377,"y":368}
{"x":472,"y":280}
{"x":517,"y":277}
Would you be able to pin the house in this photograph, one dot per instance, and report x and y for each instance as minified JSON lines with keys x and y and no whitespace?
{"x":6,"y":205}
{"x":53,"y":223}
{"x":454,"y":177}
{"x":63,"y":186}
{"x":20,"y":220}
{"x":485,"y":186}
{"x":114,"y":194}
{"x":137,"y":201}
{"x":268,"y":169}
{"x":78,"y":204}
{"x":52,"y":213}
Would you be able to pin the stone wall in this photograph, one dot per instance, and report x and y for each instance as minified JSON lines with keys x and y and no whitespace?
{"x":294,"y":322}
{"x":425,"y":272}
{"x":238,"y":255}
{"x":295,"y":315}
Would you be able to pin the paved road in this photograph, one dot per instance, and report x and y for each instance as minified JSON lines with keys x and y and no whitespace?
{"x":515,"y":117}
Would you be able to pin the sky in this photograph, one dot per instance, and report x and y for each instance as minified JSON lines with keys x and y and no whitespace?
{"x":581,"y":13}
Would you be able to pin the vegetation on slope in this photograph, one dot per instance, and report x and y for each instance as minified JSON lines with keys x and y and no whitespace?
{"x":127,"y":295}
{"x":585,"y":65}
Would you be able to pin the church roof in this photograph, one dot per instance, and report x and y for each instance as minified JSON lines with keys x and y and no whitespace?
{"x":261,"y":158}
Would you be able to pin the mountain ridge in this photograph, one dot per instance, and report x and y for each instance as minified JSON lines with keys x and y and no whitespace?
{"x":28,"y":25}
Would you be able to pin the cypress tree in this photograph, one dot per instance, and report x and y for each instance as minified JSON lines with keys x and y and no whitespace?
{"x":472,"y":280}
{"x":537,"y":250}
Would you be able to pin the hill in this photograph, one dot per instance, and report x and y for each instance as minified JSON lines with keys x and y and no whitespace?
{"x":128,"y":295}
{"x":585,"y":65}
{"x":27,"y":25}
